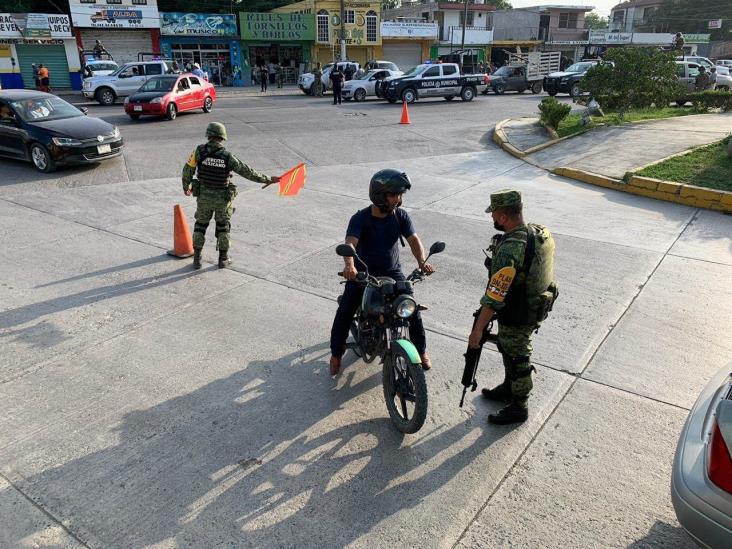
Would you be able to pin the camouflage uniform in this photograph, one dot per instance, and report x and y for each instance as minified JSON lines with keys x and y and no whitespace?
{"x":507,"y":272}
{"x":215,"y":200}
{"x":318,"y":82}
{"x":703,"y":82}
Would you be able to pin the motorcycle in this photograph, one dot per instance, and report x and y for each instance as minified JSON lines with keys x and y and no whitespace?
{"x":380,"y":328}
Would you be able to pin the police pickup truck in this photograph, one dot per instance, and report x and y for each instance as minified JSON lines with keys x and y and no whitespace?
{"x":440,"y":80}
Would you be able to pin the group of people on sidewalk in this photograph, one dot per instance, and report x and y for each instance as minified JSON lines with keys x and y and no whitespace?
{"x":41,"y":77}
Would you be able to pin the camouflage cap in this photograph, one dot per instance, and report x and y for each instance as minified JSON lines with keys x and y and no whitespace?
{"x":503,"y":198}
{"x":216,"y":129}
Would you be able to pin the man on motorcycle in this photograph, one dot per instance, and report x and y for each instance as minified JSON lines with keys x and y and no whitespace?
{"x":375,"y":233}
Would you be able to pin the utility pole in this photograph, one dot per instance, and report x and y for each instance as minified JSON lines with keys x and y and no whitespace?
{"x":343,"y":30}
{"x":462,"y":42}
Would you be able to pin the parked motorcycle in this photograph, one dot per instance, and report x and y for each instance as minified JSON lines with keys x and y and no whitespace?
{"x":380,"y":328}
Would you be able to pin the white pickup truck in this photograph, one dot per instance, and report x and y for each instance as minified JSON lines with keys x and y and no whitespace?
{"x":123,"y":82}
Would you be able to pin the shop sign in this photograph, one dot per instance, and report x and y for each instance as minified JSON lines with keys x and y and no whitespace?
{"x":198,"y":24}
{"x":277,"y":27}
{"x":696,"y":38}
{"x":715,"y":24}
{"x":568,"y":43}
{"x":125,"y":15}
{"x":610,"y":37}
{"x":34,"y":25}
{"x":404,"y":29}
{"x":47,"y":41}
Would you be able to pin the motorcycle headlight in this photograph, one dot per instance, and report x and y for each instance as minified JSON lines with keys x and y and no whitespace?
{"x":157,"y":100}
{"x":65,"y":141}
{"x":405,"y":306}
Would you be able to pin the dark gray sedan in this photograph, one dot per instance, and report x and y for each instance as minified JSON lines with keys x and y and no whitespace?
{"x":701,"y":483}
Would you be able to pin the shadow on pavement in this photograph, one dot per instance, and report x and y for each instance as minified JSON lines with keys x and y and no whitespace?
{"x":223,"y":465}
{"x":665,"y":535}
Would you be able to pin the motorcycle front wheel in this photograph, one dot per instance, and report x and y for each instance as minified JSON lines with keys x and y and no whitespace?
{"x":405,"y":391}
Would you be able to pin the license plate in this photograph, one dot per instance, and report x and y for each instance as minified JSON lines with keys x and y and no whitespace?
{"x":137,"y":108}
{"x":101,"y":149}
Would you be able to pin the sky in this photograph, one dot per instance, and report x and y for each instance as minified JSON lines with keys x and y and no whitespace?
{"x":602,"y":7}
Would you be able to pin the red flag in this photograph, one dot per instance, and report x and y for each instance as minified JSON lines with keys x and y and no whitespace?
{"x":292,"y":181}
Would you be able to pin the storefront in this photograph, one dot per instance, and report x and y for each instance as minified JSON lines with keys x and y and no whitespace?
{"x":407,"y":43}
{"x":281,"y":38}
{"x":209,"y":39}
{"x":571,"y":50}
{"x":125,"y":28}
{"x":360,"y":28}
{"x":37,"y":38}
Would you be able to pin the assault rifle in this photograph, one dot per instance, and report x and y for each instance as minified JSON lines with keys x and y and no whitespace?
{"x":472,"y":356}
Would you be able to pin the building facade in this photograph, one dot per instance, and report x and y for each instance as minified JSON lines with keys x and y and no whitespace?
{"x":360,"y":27}
{"x":34,"y":38}
{"x":283,"y":38}
{"x":407,"y":43}
{"x":126,"y":28}
{"x":636,"y":16}
{"x":209,"y":39}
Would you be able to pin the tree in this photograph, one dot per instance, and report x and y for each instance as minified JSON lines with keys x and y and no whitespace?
{"x":595,"y":21}
{"x":390,"y":4}
{"x":693,"y":16}
{"x":500,"y":4}
{"x":636,"y":78}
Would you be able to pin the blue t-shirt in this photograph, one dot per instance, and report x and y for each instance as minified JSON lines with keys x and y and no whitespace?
{"x":378,"y":239}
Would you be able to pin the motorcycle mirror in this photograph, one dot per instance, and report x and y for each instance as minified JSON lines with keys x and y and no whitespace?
{"x":345,"y":250}
{"x":437,"y":247}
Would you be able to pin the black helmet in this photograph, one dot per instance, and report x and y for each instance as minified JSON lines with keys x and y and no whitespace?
{"x":387,"y":181}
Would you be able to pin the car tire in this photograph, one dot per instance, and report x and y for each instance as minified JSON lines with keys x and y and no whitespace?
{"x":681,"y":102}
{"x":536,"y":88}
{"x":359,"y":95}
{"x":105,"y":96}
{"x":135,"y":116}
{"x":171,"y":112}
{"x":575,"y":91}
{"x":521,"y":90}
{"x":467,"y":94}
{"x":499,"y":89}
{"x":392,"y":100}
{"x":41,"y":158}
{"x":409,"y":95}
{"x":207,"y":104}
{"x":449,"y":98}
{"x":552,"y":93}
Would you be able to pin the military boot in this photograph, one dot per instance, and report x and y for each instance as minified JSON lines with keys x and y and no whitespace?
{"x":500,"y":393}
{"x":224,"y":259}
{"x":513,"y":413}
{"x":196,"y":258}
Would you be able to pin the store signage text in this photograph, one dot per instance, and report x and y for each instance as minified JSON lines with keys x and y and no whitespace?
{"x":198,"y":24}
{"x":35,"y":25}
{"x":277,"y":26}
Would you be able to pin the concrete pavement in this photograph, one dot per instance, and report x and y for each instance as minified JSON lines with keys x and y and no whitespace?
{"x":615,"y":150}
{"x":147,"y":405}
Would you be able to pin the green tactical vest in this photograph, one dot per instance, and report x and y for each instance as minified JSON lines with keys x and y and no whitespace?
{"x":533,"y":292}
{"x":214,"y":169}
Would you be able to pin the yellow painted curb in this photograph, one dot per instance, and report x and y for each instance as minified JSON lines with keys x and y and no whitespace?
{"x":688,"y":195}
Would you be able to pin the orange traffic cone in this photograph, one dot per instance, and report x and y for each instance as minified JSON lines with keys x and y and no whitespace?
{"x":405,"y":115}
{"x":182,"y":241}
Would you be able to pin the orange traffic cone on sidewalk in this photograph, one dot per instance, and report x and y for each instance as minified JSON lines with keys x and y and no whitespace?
{"x":405,"y":115}
{"x":182,"y":241}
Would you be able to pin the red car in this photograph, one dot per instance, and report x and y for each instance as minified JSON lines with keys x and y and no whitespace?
{"x":167,"y":95}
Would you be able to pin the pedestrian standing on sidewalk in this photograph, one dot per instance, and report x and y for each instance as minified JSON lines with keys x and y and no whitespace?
{"x":45,"y":78}
{"x":280,"y":75}
{"x":263,"y":76}
{"x":36,"y":80}
{"x":337,"y":77}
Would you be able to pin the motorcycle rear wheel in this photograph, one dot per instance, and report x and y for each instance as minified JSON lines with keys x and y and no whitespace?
{"x":405,"y":391}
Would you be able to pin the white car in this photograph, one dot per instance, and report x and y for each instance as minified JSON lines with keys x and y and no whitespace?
{"x":703,"y":61}
{"x":123,"y":82}
{"x":305,"y":82}
{"x":359,"y":89}
{"x":724,"y":80}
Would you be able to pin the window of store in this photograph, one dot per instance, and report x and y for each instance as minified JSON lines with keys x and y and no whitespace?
{"x":568,"y":20}
{"x":139,"y":2}
{"x":350,"y":17}
{"x":371,"y":26}
{"x":114,"y":1}
{"x":323,"y":31}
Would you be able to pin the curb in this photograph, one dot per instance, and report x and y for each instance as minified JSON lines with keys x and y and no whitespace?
{"x":688,"y":195}
{"x":501,"y":139}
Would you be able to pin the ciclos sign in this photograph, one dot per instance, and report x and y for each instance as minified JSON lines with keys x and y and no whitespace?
{"x":198,"y":24}
{"x":125,"y":15}
{"x":34,"y":25}
{"x":277,"y":27}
